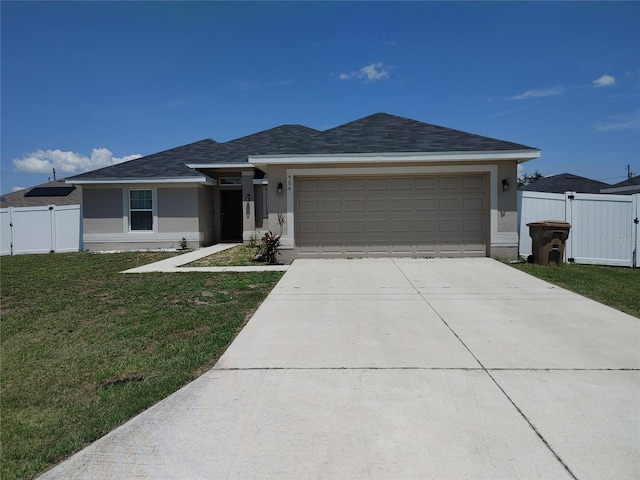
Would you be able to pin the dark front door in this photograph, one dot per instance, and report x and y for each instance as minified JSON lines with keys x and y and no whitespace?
{"x":231,"y":201}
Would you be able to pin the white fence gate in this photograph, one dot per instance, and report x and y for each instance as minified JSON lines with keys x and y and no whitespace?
{"x":604,"y":228}
{"x":40,"y":229}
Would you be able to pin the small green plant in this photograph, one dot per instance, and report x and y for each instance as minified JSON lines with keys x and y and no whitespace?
{"x":270,"y":248}
{"x":184,"y":245}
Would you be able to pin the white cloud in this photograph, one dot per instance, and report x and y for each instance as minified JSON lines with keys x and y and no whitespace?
{"x":43,"y":161}
{"x":539,"y":93}
{"x":620,"y":122}
{"x":604,"y":81}
{"x":17,"y":189}
{"x":368,"y":73}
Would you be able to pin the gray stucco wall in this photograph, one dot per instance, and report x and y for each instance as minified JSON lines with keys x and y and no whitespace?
{"x":176,"y":215}
{"x":508,"y":201}
{"x":277,"y":203}
{"x":206,"y":213}
{"x":260,"y":206}
{"x":102,"y":210}
{"x":178,"y":209}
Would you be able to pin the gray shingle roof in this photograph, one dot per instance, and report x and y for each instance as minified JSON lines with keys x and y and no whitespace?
{"x":169,"y":163}
{"x":272,"y":140}
{"x":626,"y":187}
{"x":378,"y":133}
{"x":21,"y":198}
{"x":629,"y":182}
{"x":565,"y":182}
{"x":384,"y":133}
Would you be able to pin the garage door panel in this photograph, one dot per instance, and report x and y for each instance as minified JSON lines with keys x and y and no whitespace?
{"x":425,"y":183}
{"x":449,"y":183}
{"x":449,"y":203}
{"x":330,"y":185}
{"x":402,"y":183}
{"x":308,"y":206}
{"x":380,"y":226}
{"x":332,"y":205}
{"x":354,"y":205}
{"x":425,"y":204}
{"x":378,"y":183}
{"x":425,"y":225}
{"x":307,"y":227}
{"x":472,"y":224}
{"x":377,"y":205}
{"x":383,"y":216}
{"x":401,"y":225}
{"x":307,"y":185}
{"x":355,"y":184}
{"x":355,"y":227}
{"x":331,"y":226}
{"x":402,"y":204}
{"x":378,"y":248}
{"x":449,"y":225}
{"x":474,"y":203}
{"x":470,"y":182}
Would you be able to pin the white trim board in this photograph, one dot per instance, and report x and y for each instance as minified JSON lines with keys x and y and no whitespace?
{"x":519,"y":155}
{"x":136,"y":181}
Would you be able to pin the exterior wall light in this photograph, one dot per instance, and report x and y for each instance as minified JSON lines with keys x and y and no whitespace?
{"x":248,"y":198}
{"x":505,"y":185}
{"x":279,"y":188}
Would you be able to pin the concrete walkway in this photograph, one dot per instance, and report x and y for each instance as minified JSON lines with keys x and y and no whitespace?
{"x":399,"y":368}
{"x":175,"y":264}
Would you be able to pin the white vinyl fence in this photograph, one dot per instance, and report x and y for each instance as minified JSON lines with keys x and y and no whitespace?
{"x":40,"y":229}
{"x":604,"y":228}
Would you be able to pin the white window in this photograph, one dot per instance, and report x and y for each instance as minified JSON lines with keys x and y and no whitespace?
{"x":141,"y":210}
{"x":230,"y":181}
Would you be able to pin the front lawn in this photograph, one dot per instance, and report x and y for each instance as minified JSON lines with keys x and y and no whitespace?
{"x":617,"y":287}
{"x":84,"y":347}
{"x":238,"y":256}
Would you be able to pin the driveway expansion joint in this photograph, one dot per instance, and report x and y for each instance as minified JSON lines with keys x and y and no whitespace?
{"x":522,"y":414}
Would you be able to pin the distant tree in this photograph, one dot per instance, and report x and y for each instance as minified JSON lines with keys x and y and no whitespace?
{"x":526,"y":179}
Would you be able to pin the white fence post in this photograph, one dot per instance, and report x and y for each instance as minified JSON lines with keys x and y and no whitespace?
{"x":568,"y":217}
{"x":636,"y":232}
{"x":6,"y":234}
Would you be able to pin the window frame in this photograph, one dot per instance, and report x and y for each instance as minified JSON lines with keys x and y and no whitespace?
{"x":152,"y":210}
{"x":230,"y":181}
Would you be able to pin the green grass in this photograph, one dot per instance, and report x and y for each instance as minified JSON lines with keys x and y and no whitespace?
{"x":241,"y":255}
{"x":84,"y":347}
{"x":617,"y":287}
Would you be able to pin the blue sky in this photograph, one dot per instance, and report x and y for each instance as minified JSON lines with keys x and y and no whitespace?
{"x":87,"y":84}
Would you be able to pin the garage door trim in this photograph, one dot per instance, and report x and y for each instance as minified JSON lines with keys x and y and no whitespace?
{"x":288,"y":240}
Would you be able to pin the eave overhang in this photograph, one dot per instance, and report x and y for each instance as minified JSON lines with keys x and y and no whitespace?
{"x":97,"y":181}
{"x":227,"y":166}
{"x":520,"y":156}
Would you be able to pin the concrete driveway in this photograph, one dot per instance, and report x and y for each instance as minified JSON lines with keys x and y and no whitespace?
{"x":400,"y":368}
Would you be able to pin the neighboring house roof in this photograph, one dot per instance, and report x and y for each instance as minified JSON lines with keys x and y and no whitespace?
{"x":384,"y":133}
{"x":565,"y":182}
{"x":50,"y":193}
{"x":627,"y":187}
{"x":377,"y":133}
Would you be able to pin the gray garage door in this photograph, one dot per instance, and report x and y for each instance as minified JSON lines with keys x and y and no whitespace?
{"x":441,"y":215}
